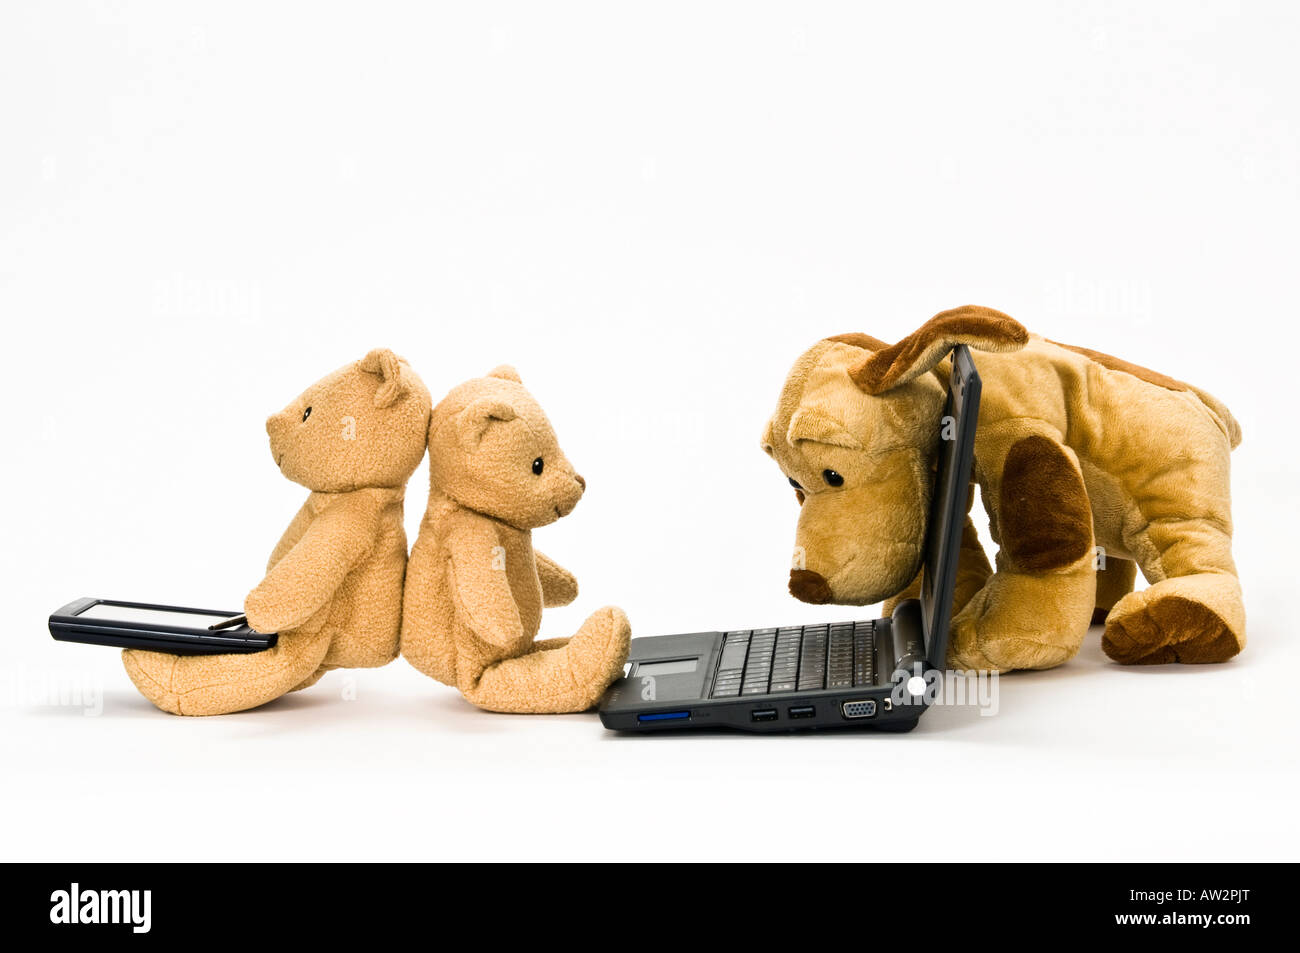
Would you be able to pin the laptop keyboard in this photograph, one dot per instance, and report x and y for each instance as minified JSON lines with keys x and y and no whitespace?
{"x":799,"y":658}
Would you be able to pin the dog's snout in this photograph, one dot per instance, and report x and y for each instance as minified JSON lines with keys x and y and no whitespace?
{"x":809,"y":586}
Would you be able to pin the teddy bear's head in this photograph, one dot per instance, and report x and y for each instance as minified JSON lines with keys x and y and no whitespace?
{"x":362,"y":426}
{"x":492,"y":450}
{"x":856,"y":432}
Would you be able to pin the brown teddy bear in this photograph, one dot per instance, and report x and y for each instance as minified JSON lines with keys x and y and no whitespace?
{"x":1089,"y":467}
{"x":333,"y":586}
{"x":475,"y":587}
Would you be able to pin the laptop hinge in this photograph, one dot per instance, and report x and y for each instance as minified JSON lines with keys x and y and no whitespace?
{"x":908,"y":634}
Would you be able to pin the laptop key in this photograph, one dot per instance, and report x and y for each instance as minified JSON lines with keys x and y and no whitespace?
{"x":733,"y":656}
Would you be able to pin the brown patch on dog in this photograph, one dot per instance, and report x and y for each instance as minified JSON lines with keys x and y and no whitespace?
{"x":857,"y":339}
{"x":1117,"y":364}
{"x":1043,"y":510}
{"x":1170,"y":629}
{"x":981,"y":328}
{"x":809,"y":586}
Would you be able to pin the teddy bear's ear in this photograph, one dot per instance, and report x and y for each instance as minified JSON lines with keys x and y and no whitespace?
{"x":980,"y":328}
{"x":472,"y":422}
{"x":809,"y":423}
{"x":393,"y":384}
{"x":506,"y":373}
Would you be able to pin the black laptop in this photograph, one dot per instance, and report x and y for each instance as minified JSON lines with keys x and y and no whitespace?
{"x":837,"y":675}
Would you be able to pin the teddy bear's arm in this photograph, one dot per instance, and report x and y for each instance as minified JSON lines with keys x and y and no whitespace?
{"x":480,"y":585}
{"x":297,"y":526}
{"x":303,"y":581}
{"x":559,"y":586}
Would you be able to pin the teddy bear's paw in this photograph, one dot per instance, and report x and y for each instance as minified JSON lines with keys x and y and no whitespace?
{"x":963,"y":647}
{"x":599,"y":649}
{"x":561,"y":588}
{"x":153,"y":673}
{"x":1021,"y":621}
{"x":1190,"y":619}
{"x":1011,"y":649}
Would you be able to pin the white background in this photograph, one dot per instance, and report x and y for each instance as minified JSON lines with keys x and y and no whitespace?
{"x":650,"y":210}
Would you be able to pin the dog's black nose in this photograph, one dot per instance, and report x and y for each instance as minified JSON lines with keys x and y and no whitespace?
{"x":809,"y":586}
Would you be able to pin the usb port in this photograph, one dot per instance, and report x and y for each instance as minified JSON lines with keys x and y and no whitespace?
{"x":763,"y":714}
{"x":664,"y":716}
{"x":803,"y":711}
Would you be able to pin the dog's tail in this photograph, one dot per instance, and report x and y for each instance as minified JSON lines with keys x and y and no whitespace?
{"x":1221,"y":412}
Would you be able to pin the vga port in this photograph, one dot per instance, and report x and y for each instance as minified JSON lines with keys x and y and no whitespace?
{"x":863,"y":708}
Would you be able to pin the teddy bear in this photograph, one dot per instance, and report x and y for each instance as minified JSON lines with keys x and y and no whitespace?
{"x":1089,"y":467}
{"x":475,"y":587}
{"x":333,"y":585}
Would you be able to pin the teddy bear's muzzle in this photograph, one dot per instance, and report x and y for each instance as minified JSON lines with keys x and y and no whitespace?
{"x":809,"y":586}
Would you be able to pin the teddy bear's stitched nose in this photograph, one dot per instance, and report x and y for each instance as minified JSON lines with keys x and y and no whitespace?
{"x":809,"y":586}
{"x":581,"y":482}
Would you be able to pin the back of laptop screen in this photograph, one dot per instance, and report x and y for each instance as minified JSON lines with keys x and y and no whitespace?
{"x":948,"y":505}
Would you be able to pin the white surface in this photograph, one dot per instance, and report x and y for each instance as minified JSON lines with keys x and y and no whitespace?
{"x":650,"y":212}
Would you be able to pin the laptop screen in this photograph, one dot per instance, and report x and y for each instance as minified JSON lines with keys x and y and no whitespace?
{"x":948,"y":505}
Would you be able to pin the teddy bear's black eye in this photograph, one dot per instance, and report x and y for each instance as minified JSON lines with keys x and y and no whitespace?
{"x":305,"y":414}
{"x":794,"y":483}
{"x":832,"y":478}
{"x":538,"y":465}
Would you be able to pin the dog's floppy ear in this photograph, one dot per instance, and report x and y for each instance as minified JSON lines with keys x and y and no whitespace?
{"x":980,"y":328}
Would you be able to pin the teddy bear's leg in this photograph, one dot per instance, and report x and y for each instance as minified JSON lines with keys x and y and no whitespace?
{"x":569,"y":678}
{"x":1115,"y":578}
{"x":313,"y":678}
{"x":219,"y":684}
{"x":1034,"y":611}
{"x":1193,"y":611}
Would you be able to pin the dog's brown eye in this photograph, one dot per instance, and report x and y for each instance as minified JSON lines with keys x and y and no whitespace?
{"x":305,"y":414}
{"x":832,"y":478}
{"x":538,"y":466}
{"x":794,"y":483}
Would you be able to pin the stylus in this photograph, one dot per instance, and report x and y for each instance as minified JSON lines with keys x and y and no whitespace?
{"x":228,"y":623}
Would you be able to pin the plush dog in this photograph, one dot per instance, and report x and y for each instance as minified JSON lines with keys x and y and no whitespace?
{"x":475,"y":587}
{"x":333,"y":587}
{"x":1089,"y":467}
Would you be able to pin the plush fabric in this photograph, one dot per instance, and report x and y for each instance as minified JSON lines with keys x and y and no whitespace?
{"x":1045,"y":519}
{"x":475,"y":587}
{"x":1091,"y":468}
{"x":333,"y":586}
